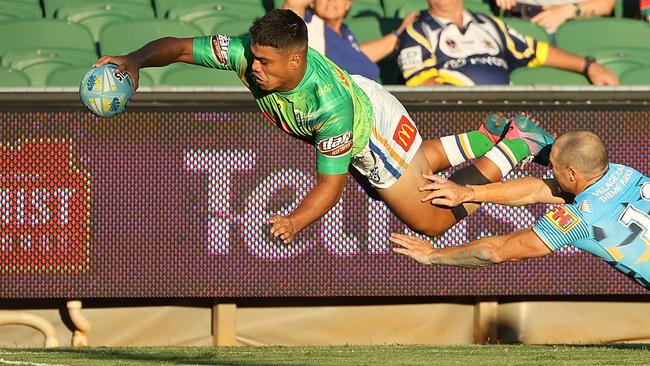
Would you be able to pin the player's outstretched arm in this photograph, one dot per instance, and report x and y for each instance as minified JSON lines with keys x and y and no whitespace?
{"x":517,"y":192}
{"x":325,"y":194}
{"x":160,"y":52}
{"x":516,"y":246}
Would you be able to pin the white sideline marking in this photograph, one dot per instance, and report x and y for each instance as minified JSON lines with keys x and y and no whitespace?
{"x":25,"y":363}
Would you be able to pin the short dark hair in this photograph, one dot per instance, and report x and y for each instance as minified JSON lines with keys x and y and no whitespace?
{"x":583,"y":150}
{"x":280,"y":28}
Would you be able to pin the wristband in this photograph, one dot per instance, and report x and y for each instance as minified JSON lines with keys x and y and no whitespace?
{"x":577,"y":11}
{"x":588,"y":61}
{"x":395,"y":33}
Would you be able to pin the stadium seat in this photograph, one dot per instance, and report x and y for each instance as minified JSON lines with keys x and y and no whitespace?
{"x":369,"y":28}
{"x":51,"y":6}
{"x":13,"y":9}
{"x":192,"y":75}
{"x":37,"y":64}
{"x":12,"y":78}
{"x":71,"y":76}
{"x":636,"y":76}
{"x":44,"y":33}
{"x":96,"y":15}
{"x":164,"y":6}
{"x":208,"y":22}
{"x":187,"y":12}
{"x":546,"y":76}
{"x":363,"y":8}
{"x":122,"y":38}
{"x":231,"y":27}
{"x":580,"y":35}
{"x":619,"y":60}
{"x":18,"y":59}
{"x":527,"y":28}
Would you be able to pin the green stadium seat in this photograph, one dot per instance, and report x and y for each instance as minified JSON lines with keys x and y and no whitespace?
{"x":619,"y":60}
{"x":37,"y":64}
{"x":626,"y":8}
{"x":370,"y":28}
{"x":19,"y":59}
{"x":366,"y":8}
{"x":231,"y":27}
{"x":192,"y":75}
{"x":527,"y":28}
{"x":207,"y":23}
{"x":44,"y":33}
{"x":12,"y":78}
{"x":206,"y":15}
{"x":580,"y":35}
{"x":96,"y":15}
{"x":71,"y":76}
{"x":636,"y":76}
{"x":546,"y":76}
{"x":256,"y":6}
{"x":122,"y":38}
{"x":13,"y":9}
{"x":51,"y":6}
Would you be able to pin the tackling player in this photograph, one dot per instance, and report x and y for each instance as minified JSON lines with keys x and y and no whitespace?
{"x":349,"y":119}
{"x":605,"y":210}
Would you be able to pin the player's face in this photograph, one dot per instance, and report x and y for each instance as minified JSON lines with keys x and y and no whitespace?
{"x":274,"y":69}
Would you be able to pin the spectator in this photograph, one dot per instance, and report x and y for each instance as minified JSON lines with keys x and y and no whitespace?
{"x":450,"y":45}
{"x":550,"y":14}
{"x":330,"y":36}
{"x":645,"y":10}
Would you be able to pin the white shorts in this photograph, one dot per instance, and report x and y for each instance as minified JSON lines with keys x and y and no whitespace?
{"x":394,"y":140}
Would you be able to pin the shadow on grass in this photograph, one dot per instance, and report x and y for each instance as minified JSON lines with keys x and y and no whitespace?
{"x":171,"y":355}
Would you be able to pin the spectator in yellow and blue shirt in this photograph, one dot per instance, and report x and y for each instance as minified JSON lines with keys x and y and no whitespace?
{"x":453,"y":46}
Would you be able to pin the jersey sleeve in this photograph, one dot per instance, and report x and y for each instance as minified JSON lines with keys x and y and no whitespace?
{"x":221,"y":52}
{"x":520,"y":50}
{"x":562,"y":226}
{"x":333,"y":139}
{"x":416,"y":58}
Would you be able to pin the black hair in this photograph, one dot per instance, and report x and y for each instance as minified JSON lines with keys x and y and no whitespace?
{"x":280,"y":28}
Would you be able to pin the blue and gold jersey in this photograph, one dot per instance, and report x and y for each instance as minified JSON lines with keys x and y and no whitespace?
{"x":610,"y":219}
{"x":482,"y":52}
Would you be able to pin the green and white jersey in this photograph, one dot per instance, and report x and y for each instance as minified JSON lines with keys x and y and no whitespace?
{"x":327,"y":109}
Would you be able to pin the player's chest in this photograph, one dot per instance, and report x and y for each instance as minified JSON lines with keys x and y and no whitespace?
{"x":289,"y":116}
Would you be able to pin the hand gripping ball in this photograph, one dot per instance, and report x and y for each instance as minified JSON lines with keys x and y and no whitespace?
{"x":104,"y":92}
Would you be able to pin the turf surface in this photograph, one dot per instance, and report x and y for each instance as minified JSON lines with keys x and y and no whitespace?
{"x":466,"y":355}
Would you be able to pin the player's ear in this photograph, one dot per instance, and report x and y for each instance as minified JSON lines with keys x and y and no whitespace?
{"x":296,"y":60}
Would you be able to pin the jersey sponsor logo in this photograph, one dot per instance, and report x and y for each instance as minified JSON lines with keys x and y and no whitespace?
{"x":220,"y":48}
{"x":474,"y":41}
{"x":563,"y":219}
{"x":336,"y":145}
{"x":410,"y":57}
{"x":585,"y":206}
{"x":405,"y":133}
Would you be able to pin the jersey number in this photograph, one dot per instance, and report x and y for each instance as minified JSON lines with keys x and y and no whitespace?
{"x":632,"y":215}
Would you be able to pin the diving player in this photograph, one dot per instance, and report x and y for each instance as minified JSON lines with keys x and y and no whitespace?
{"x":605,"y":210}
{"x":349,"y":119}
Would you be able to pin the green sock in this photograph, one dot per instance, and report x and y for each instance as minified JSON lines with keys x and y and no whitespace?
{"x":465,"y":146}
{"x":518,"y":147}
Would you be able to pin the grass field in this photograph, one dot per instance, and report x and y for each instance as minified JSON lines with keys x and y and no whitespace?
{"x":466,"y":355}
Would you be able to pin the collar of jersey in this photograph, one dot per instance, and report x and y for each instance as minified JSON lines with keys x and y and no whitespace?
{"x":467,"y":18}
{"x":308,"y":72}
